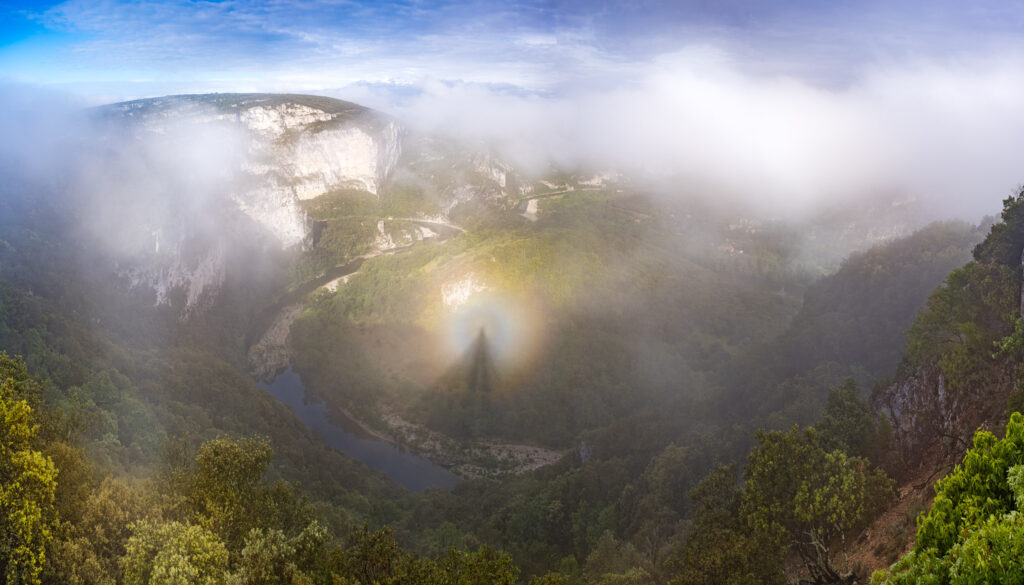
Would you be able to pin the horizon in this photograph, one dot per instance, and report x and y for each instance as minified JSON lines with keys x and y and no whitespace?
{"x":115,"y":50}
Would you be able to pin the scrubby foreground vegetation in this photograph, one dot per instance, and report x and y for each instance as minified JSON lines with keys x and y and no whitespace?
{"x":208,"y":516}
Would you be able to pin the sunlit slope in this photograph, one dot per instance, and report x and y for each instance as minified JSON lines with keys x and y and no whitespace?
{"x":593,"y":311}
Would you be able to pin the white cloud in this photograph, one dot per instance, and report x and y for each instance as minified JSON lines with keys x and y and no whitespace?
{"x":948,"y":134}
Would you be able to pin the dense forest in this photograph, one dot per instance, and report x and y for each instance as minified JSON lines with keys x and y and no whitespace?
{"x":720,"y":430}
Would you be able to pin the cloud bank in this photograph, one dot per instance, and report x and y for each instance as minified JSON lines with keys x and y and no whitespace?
{"x":946,"y":133}
{"x":125,"y":186}
{"x":950,"y":135}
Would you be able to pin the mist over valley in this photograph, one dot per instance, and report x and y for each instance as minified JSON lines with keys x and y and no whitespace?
{"x":458,"y":293}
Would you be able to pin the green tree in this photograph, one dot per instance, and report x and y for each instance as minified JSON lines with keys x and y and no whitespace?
{"x":172,"y":553}
{"x":612,"y":559}
{"x":974,"y":531}
{"x":806,"y":499}
{"x":963,"y":321}
{"x":1006,"y":238}
{"x":227,"y":488}
{"x":28,"y":482}
{"x":90,"y":547}
{"x":271,"y":558}
{"x":847,"y":423}
{"x":720,"y":550}
{"x":484,"y":566}
{"x":372,"y":557}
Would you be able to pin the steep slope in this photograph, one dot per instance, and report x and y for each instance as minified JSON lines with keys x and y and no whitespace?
{"x":947,"y":407}
{"x":201,"y":176}
{"x":181,"y":186}
{"x":632,"y":306}
{"x":297,"y":147}
{"x":962,"y":356}
{"x":851,"y":323}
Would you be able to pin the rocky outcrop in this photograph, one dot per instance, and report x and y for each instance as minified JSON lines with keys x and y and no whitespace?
{"x":270,"y":355}
{"x":457,"y":173}
{"x":299,"y":147}
{"x":194,"y":279}
{"x":392,"y":234}
{"x":310,"y":152}
{"x":932,"y":421}
{"x":286,"y":149}
{"x":296,"y":148}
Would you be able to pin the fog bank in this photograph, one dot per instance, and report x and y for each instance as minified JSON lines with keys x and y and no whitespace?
{"x":947,"y":134}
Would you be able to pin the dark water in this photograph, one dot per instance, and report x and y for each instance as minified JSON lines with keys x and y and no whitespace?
{"x":414,"y":472}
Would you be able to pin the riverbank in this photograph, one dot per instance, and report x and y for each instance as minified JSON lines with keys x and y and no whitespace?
{"x":472,"y":459}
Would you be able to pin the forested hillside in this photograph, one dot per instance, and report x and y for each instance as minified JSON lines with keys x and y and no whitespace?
{"x":662,"y":357}
{"x":529,"y":292}
{"x":959,"y":381}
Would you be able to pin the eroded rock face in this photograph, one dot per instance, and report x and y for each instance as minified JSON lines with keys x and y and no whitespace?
{"x":299,"y":153}
{"x":295,"y":150}
{"x":207,"y":164}
{"x":292,"y":148}
{"x":198,"y":278}
{"x":270,"y":355}
{"x":932,"y":421}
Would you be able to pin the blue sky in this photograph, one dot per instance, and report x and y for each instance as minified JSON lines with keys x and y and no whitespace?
{"x":111,"y":48}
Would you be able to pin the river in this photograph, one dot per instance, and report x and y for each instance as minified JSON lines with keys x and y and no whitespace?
{"x":412,"y":471}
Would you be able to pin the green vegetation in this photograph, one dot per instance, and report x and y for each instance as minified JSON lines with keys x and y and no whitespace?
{"x":973,"y":532}
{"x":665,"y":345}
{"x":27,"y":480}
{"x":847,"y":424}
{"x":616,"y":302}
{"x":970,"y":332}
{"x":208,"y":517}
{"x":342,"y":203}
{"x":645,"y":329}
{"x":851,"y":323}
{"x":720,"y":549}
{"x":807,"y":499}
{"x":797,"y":496}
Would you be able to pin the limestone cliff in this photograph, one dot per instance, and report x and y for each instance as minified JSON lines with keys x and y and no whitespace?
{"x":211,"y":163}
{"x":298,"y":147}
{"x":292,"y":148}
{"x":933,"y":423}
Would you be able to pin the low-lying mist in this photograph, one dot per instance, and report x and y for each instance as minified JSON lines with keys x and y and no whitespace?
{"x":128,"y":186}
{"x":694,"y":123}
{"x":943,"y":133}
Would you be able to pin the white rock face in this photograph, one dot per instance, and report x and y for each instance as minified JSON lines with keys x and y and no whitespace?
{"x":292,"y":152}
{"x":333,"y":285}
{"x":200,"y":279}
{"x":273,"y":122}
{"x":531,"y":210}
{"x":493,"y":169}
{"x":275,"y":207}
{"x":456,"y":294}
{"x":339,"y":157}
{"x":383,"y":241}
{"x":295,"y":152}
{"x":600,"y":179}
{"x":393,"y":234}
{"x":291,"y":162}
